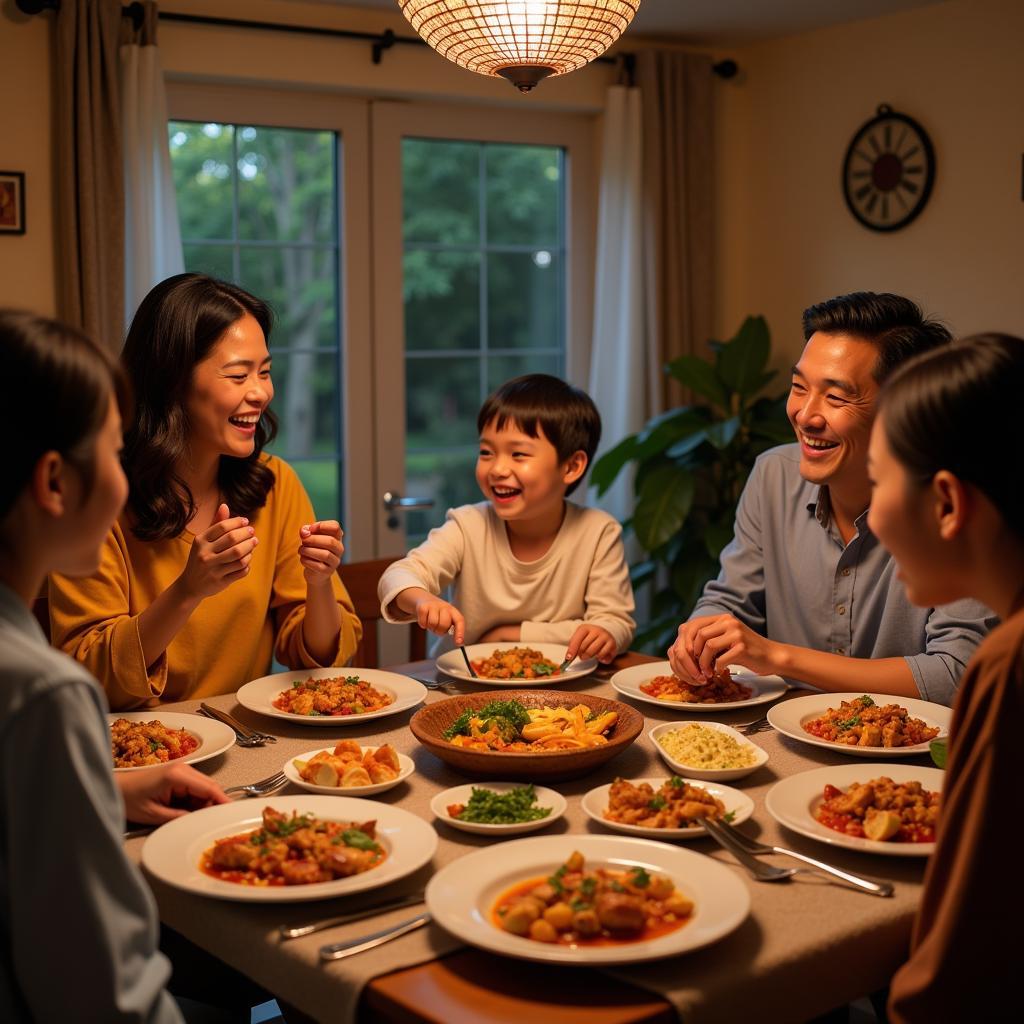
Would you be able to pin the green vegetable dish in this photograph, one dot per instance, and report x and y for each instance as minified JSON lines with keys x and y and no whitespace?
{"x":487,"y":807}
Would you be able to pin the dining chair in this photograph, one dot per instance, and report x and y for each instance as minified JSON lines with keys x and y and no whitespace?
{"x":360,"y":579}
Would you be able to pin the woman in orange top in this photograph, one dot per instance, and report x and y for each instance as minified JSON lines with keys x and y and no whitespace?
{"x":948,"y":502}
{"x":217,"y":562}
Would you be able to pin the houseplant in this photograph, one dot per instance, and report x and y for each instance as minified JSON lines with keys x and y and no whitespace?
{"x":690,"y":465}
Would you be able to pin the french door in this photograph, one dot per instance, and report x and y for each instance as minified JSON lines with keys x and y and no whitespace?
{"x":463,"y":256}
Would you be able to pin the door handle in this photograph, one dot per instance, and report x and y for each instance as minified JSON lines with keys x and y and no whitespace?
{"x":393,"y":502}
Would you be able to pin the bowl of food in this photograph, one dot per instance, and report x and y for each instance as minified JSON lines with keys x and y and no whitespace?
{"x":709,"y":751}
{"x":349,"y":770}
{"x":499,"y":809}
{"x":526,"y":734}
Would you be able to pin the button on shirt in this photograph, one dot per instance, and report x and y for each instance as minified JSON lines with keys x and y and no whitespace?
{"x":788,"y":575}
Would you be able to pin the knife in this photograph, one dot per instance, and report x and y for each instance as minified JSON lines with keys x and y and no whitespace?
{"x":357,"y":915}
{"x":340,"y":950}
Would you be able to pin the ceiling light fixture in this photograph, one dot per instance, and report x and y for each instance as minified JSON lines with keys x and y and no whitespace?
{"x":523,"y":41}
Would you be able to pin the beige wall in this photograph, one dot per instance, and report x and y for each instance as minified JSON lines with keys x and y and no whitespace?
{"x":786,"y":238}
{"x":26,"y":261}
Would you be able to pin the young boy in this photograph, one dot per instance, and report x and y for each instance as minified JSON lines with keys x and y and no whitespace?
{"x":527,"y":566}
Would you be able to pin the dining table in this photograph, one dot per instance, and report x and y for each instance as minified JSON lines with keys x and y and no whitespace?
{"x":808,"y":945}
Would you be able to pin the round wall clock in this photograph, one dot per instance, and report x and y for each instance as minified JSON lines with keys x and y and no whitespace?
{"x":888,"y":171}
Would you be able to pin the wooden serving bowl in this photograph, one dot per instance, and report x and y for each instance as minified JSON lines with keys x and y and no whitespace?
{"x":429,"y":723}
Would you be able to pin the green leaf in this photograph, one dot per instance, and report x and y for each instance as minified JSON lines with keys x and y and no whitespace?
{"x":689,"y":576}
{"x":653,"y":441}
{"x":640,"y":573}
{"x":663,"y":506}
{"x":687,"y":444}
{"x":939,"y":750}
{"x":716,"y":536}
{"x":741,"y":363}
{"x":699,"y":375}
{"x":721,"y":434}
{"x":607,"y":468}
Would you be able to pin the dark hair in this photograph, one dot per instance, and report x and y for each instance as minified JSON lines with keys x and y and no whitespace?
{"x":894,"y":325}
{"x":538,"y":402}
{"x":175,"y":328}
{"x":957,"y":409}
{"x":55,"y":389}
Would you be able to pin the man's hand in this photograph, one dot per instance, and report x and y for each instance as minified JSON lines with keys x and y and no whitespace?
{"x":711,"y":640}
{"x":591,"y":641}
{"x":163,"y":793}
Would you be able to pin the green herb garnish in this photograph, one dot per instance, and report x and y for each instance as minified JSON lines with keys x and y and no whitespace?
{"x":616,"y":886}
{"x":511,"y":710}
{"x":939,"y":750}
{"x":357,"y":839}
{"x":848,"y":723}
{"x":487,"y":807}
{"x":640,"y":878}
{"x":588,"y":886}
{"x":657,"y":803}
{"x":865,"y":701}
{"x":729,"y":817}
{"x":676,"y":782}
{"x":289,"y":825}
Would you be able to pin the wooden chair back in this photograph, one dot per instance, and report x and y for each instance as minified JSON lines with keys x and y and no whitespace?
{"x":361,"y":579}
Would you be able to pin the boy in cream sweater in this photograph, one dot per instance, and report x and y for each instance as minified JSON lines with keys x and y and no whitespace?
{"x":525,"y":565}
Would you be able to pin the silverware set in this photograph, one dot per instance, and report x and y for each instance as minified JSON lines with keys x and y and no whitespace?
{"x":746,"y":851}
{"x":244,"y":736}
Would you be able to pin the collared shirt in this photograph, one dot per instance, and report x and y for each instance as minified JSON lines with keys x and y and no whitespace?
{"x":788,"y":575}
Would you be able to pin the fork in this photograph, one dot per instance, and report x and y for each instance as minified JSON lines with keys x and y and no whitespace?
{"x":261,"y":788}
{"x":244,"y":736}
{"x":757,"y":725}
{"x":753,"y":846}
{"x":762,"y":872}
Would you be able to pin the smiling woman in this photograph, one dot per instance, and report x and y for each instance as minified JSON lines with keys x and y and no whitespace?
{"x":219,"y":539}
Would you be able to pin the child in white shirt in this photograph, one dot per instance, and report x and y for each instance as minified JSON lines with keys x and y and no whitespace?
{"x":525,"y":565}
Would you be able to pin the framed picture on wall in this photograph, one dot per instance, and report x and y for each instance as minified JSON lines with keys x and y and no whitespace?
{"x":12,"y":203}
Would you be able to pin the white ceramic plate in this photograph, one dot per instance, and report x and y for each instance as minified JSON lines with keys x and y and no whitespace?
{"x":406,"y":767}
{"x":460,"y":896}
{"x":793,"y":801}
{"x":451,"y":663}
{"x":214,"y":737}
{"x":629,"y":680}
{"x":596,"y":801}
{"x":260,"y":693}
{"x":461,"y":794}
{"x":708,"y":774}
{"x":789,"y":716}
{"x":173,"y":851}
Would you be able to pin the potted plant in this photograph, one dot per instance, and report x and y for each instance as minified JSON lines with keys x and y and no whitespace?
{"x":690,"y":466}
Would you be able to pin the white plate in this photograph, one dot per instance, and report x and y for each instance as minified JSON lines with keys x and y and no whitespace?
{"x":406,"y":767}
{"x":793,"y":801}
{"x":595,"y":802}
{"x":708,"y":774}
{"x":173,"y":851}
{"x":789,"y":716}
{"x":259,"y":694}
{"x":460,"y":896}
{"x":461,"y":795}
{"x":451,"y":663}
{"x":214,"y":737}
{"x":628,"y":682}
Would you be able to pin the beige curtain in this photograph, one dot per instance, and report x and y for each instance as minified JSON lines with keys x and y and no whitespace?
{"x":90,"y":183}
{"x":676,"y":91}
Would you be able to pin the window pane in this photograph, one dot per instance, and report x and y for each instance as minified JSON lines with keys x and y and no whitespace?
{"x":305,"y":403}
{"x":447,"y":477}
{"x":524,"y":300}
{"x":503,"y":368}
{"x":301,"y":287}
{"x":321,"y":482}
{"x":523,"y":195}
{"x":285,"y":185}
{"x":441,"y":191}
{"x":442,"y":399}
{"x":442,"y":299}
{"x":201,"y":159}
{"x":215,"y":260}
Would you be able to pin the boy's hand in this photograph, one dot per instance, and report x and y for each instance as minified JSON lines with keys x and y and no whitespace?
{"x":592,"y":642}
{"x":440,"y":617}
{"x":320,"y":551}
{"x":153,"y":797}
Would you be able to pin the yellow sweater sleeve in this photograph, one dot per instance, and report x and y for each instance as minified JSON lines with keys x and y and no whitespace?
{"x":91,"y":619}
{"x":288,"y":600}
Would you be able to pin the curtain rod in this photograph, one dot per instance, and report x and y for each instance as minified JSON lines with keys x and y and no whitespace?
{"x":380,"y":41}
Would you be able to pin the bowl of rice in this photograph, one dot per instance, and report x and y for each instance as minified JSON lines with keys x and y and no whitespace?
{"x":709,"y":751}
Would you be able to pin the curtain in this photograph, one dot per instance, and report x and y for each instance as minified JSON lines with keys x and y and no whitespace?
{"x":676,"y":90}
{"x":152,"y":242}
{"x":621,"y":367}
{"x":90,"y":183}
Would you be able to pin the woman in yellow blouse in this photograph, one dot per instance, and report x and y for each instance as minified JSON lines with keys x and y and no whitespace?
{"x":217,"y":561}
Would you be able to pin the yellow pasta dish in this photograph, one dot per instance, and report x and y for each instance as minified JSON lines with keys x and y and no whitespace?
{"x":509,"y":727}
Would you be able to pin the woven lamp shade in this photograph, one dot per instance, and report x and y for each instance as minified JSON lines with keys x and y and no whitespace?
{"x":521,"y":40}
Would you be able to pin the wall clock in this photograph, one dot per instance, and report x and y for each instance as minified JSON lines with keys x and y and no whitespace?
{"x":888,"y":171}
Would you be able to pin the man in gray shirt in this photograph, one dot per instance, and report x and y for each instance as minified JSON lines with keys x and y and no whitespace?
{"x":805,"y":589}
